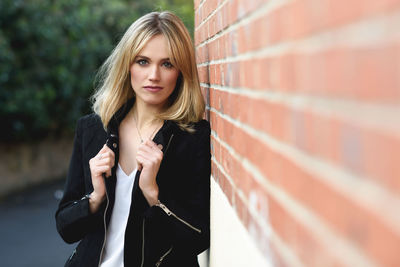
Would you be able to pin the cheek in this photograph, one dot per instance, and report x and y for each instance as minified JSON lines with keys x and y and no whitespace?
{"x":172,"y":78}
{"x":136,"y":75}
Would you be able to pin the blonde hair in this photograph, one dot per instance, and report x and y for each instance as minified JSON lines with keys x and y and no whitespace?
{"x":186,"y":103}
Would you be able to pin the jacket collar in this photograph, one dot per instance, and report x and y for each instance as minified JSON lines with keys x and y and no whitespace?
{"x":163,"y":136}
{"x":115,"y":121}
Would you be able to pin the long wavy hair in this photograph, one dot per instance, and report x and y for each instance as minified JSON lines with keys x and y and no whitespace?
{"x":185,"y":105}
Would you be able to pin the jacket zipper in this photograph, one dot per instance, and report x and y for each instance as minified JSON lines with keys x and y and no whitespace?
{"x":158,"y":263}
{"x":142,"y":244}
{"x":169,"y":142}
{"x":169,"y":213}
{"x":165,"y":151}
{"x":72,"y":255}
{"x":105,"y":227}
{"x":161,"y":258}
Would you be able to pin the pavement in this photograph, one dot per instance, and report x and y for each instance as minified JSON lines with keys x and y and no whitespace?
{"x":28,"y":235}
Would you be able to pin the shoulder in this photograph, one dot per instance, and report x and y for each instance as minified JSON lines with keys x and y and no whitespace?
{"x":89,"y":121}
{"x":202,"y":128}
{"x":89,"y":128}
{"x":90,"y":133}
{"x":202,"y":125}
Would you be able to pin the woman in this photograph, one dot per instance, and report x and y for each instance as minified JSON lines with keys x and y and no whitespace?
{"x":137,"y":190}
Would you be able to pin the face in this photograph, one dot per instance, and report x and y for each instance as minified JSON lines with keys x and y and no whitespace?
{"x":153,"y":77}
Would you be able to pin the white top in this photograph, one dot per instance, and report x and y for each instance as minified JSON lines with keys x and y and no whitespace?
{"x":113,"y":255}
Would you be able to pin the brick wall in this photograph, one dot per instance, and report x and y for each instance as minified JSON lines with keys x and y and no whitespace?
{"x":303,"y":98}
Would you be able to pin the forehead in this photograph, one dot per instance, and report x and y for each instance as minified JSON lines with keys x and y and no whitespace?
{"x":156,"y":48}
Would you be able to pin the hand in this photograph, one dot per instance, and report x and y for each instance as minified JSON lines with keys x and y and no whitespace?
{"x":99,"y":164}
{"x":149,"y":157}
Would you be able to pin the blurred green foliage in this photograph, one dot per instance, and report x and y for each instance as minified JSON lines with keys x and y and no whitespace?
{"x":50,"y":51}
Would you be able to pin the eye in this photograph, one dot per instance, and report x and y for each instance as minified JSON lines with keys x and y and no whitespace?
{"x":141,"y":62}
{"x":167,"y":64}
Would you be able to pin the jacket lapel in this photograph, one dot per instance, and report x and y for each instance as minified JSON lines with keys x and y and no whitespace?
{"x":164,"y":135}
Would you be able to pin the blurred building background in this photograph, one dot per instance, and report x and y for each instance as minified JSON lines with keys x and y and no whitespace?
{"x":303,"y":98}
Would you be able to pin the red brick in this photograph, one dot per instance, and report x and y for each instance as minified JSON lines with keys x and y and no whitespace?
{"x":301,"y":240}
{"x":197,"y":4}
{"x":364,"y":228}
{"x":203,"y":74}
{"x":298,"y":18}
{"x":369,"y":74}
{"x":365,"y":73}
{"x":381,"y":158}
{"x":354,"y":147}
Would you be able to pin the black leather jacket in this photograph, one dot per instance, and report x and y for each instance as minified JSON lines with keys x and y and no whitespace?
{"x":171,"y":233}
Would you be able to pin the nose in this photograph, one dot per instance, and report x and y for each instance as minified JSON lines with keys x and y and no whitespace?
{"x":154,"y":74}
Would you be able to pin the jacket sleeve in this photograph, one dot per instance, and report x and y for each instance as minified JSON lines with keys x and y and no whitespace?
{"x":186,"y":225}
{"x":73,"y":217}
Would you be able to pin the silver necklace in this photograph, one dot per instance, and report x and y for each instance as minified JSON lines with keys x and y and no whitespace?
{"x":137,"y":128}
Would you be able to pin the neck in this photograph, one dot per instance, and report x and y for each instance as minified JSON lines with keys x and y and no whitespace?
{"x":145,"y":115}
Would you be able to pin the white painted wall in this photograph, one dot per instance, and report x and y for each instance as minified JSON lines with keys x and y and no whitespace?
{"x":231,"y":244}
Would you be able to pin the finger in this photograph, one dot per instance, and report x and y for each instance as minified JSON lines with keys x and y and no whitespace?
{"x":106,"y":150}
{"x":150,"y":154}
{"x":109,"y":153}
{"x":102,"y":154}
{"x":103,"y":149}
{"x":148,"y":142}
{"x":99,"y":157}
{"x":153,"y":156}
{"x":146,"y":150}
{"x":108,"y":162}
{"x":151,"y":148}
{"x":101,"y":169}
{"x":146,"y":155}
{"x":105,"y":158}
{"x":153,"y":145}
{"x":143,"y":161}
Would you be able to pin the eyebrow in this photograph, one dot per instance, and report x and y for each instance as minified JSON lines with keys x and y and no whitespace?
{"x":167,"y":58}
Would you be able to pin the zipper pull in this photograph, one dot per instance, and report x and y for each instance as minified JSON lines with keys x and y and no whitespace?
{"x":158,"y":263}
{"x":164,"y":208}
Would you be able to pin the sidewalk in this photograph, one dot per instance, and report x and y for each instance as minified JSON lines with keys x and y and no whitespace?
{"x":28,"y":232}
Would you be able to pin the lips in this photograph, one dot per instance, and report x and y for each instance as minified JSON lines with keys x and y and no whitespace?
{"x":153,"y":88}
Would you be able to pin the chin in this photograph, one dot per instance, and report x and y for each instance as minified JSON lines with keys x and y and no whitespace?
{"x":155,"y":102}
